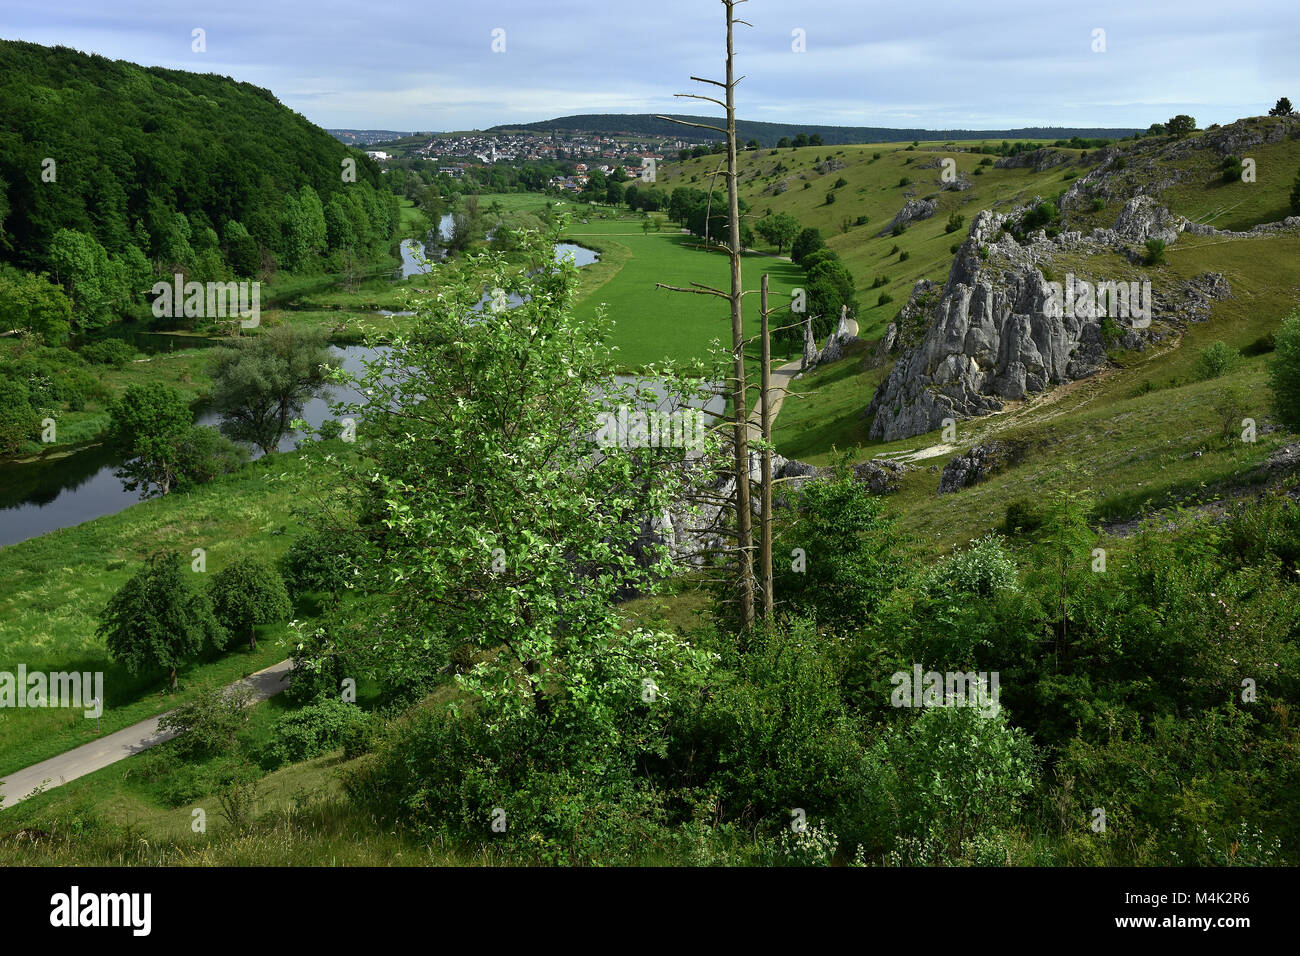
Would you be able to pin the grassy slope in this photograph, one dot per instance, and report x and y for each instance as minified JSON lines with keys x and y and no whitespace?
{"x":56,"y":585}
{"x":873,"y":190}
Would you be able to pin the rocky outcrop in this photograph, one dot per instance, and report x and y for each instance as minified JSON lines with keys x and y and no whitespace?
{"x":882,"y":476}
{"x":1035,"y":159}
{"x":978,"y":464}
{"x":1150,"y":166}
{"x":913,"y":210}
{"x":845,"y":332}
{"x":999,"y":330}
{"x":1143,"y":218}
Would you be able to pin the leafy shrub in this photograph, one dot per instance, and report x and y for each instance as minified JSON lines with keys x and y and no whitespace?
{"x":1216,"y":360}
{"x":316,"y":729}
{"x":983,"y":569}
{"x":954,"y":774}
{"x":776,"y":735}
{"x":112,"y":352}
{"x":904,"y":256}
{"x":205,"y":454}
{"x":209,"y":725}
{"x":1284,"y":371}
{"x":246,"y":593}
{"x":1155,"y":252}
{"x":904,"y":182}
{"x":851,"y":552}
{"x":955,"y":221}
{"x":885,"y":299}
{"x":1022,"y":517}
{"x":315,"y":562}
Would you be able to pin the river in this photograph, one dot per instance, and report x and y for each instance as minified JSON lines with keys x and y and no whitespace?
{"x":76,"y":485}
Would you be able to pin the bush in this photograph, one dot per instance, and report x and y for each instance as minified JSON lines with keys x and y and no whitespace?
{"x":19,"y":422}
{"x":953,"y":775}
{"x":205,"y":454}
{"x":209,"y":725}
{"x":1155,"y":252}
{"x":885,"y":299}
{"x":776,"y":735}
{"x":112,"y":352}
{"x":316,"y":729}
{"x":1284,"y":371}
{"x":983,"y":569}
{"x":1022,"y":517}
{"x":904,"y":182}
{"x":315,"y":563}
{"x":851,"y":553}
{"x":955,"y":222}
{"x":904,"y":256}
{"x":246,"y":593}
{"x":1215,"y":360}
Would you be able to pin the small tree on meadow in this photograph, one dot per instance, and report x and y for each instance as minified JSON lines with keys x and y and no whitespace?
{"x":159,"y":619}
{"x":1282,"y":108}
{"x":1284,"y":372}
{"x":261,"y":384}
{"x":148,"y":424}
{"x":808,"y":242}
{"x":247,"y":593}
{"x":1181,"y":125}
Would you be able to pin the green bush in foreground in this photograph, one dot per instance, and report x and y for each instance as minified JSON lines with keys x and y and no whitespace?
{"x":1284,"y":371}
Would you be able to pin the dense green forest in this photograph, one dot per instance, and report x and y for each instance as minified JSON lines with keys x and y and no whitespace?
{"x":113,"y":173}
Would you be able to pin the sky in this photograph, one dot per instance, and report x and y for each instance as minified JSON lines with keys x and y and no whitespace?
{"x":440,"y":65}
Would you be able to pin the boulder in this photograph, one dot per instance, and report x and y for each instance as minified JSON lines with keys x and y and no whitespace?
{"x":978,"y":464}
{"x":913,"y":210}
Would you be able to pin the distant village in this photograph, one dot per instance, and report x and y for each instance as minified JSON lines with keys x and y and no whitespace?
{"x":587,"y":151}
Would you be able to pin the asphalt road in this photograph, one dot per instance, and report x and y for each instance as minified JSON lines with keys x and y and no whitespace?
{"x":119,"y":745}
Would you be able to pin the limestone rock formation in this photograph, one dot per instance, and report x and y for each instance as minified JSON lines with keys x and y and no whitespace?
{"x":913,"y":210}
{"x":997,"y":330}
{"x":978,"y":464}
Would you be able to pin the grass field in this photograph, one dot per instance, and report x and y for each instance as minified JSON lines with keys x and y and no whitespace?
{"x":56,"y":585}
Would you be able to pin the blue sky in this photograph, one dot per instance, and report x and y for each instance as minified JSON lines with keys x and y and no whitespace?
{"x":381,"y":64}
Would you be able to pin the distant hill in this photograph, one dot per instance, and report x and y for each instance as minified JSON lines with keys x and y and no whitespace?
{"x":768,"y":134}
{"x":365,"y":137}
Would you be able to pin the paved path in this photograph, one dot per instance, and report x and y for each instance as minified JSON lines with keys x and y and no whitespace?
{"x":780,"y":388}
{"x":119,"y":745}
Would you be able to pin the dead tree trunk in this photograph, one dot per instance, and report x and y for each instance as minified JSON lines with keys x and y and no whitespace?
{"x":739,"y":392}
{"x":765,"y":516}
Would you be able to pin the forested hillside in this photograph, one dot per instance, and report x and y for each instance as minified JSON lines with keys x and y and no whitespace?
{"x":111,"y":173}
